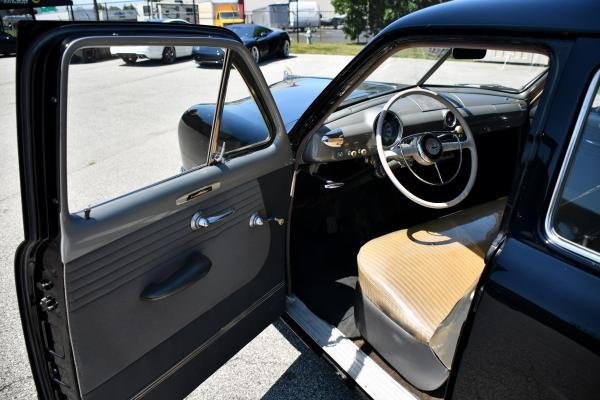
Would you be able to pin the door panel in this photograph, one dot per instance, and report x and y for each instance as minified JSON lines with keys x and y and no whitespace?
{"x":114,"y":276}
{"x":102,"y":338}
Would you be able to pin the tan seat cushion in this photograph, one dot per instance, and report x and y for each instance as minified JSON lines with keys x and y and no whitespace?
{"x":417,"y":275}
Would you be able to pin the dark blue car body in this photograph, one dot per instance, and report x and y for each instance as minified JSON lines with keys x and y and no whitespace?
{"x":239,"y":126}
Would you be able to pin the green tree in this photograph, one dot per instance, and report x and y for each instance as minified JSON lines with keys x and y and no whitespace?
{"x":368,"y":17}
{"x":356,"y":12}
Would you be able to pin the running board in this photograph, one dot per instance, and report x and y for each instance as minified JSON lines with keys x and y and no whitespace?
{"x":358,"y":365}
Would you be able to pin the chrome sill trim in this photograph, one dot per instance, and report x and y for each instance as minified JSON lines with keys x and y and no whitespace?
{"x":553,"y":237}
{"x":207,"y":343}
{"x":373,"y":379}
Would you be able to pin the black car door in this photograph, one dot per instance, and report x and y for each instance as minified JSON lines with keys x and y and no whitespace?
{"x":262,"y":39}
{"x":148,"y":293}
{"x":535,"y":333}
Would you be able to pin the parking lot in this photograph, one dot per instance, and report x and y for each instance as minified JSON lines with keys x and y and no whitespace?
{"x":276,"y":365}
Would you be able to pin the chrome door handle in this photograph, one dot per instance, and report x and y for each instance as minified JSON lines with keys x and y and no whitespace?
{"x":200,"y":221}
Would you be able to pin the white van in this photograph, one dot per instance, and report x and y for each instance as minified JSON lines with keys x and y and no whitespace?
{"x":304,"y":14}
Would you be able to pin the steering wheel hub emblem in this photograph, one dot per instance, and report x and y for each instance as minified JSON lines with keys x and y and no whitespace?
{"x":429,"y":148}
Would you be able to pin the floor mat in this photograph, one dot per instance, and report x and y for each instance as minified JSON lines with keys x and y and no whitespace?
{"x":332,"y":301}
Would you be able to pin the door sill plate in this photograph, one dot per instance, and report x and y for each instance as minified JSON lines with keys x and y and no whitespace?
{"x":373,"y":379}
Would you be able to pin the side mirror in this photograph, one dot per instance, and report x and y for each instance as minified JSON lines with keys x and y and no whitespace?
{"x":468,"y":54}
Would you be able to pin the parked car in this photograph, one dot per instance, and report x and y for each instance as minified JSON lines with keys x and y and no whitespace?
{"x":440,"y":239}
{"x":166,"y":54}
{"x":335,"y":21}
{"x":92,"y":54}
{"x":261,"y":41}
{"x":8,"y":43}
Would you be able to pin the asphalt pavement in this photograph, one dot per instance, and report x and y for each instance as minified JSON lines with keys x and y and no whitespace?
{"x":275,"y":365}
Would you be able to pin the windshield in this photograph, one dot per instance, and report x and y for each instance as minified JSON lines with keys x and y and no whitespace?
{"x":508,"y":71}
{"x":243,"y":31}
{"x":229,"y":15}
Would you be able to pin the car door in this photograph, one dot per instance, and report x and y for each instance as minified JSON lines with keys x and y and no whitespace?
{"x":262,"y":39}
{"x":535,"y":329}
{"x":144,"y":294}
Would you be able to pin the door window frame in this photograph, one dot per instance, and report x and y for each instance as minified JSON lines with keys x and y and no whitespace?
{"x":230,"y":46}
{"x":554,"y":238}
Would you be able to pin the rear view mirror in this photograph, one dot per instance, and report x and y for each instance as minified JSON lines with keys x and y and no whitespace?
{"x":468,"y":54}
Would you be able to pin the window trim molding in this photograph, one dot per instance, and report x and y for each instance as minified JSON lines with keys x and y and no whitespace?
{"x":554,"y":237}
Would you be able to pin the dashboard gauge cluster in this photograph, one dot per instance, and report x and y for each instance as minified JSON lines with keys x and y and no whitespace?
{"x":392,"y":128}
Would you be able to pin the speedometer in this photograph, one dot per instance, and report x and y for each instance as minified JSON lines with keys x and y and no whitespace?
{"x":391,"y":129}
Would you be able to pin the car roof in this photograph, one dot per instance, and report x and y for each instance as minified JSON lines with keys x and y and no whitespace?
{"x":552,"y":16}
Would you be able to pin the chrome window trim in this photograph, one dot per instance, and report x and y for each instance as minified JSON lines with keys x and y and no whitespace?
{"x":554,"y":237}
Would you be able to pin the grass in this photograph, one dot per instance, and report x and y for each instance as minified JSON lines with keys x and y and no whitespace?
{"x":346,"y":49}
{"x":351,"y":49}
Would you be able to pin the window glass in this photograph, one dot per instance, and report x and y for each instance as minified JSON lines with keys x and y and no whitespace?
{"x":242,"y":124}
{"x":142,"y":114}
{"x":509,"y":71}
{"x":577,"y":208}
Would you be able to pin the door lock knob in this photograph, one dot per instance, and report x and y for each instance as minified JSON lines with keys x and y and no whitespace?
{"x":257,"y":220}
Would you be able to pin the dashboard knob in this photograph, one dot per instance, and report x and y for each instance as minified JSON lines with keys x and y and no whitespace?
{"x":353,"y":153}
{"x":363,"y":152}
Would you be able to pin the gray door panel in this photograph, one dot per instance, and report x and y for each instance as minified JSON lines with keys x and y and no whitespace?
{"x":114,"y":276}
{"x":120,"y":217}
{"x":142,"y":238}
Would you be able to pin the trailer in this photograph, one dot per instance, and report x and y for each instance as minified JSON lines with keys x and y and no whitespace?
{"x":272,"y":16}
{"x":304,"y":14}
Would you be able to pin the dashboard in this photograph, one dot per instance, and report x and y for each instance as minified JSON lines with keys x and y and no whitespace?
{"x":349,"y":132}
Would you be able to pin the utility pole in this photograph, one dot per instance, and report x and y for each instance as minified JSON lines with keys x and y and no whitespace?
{"x":194,"y":10}
{"x":96,"y":10}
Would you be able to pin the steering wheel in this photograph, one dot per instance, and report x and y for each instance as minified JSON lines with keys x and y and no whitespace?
{"x":427,"y":148}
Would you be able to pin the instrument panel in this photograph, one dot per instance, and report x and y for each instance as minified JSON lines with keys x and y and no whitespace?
{"x":350,"y":133}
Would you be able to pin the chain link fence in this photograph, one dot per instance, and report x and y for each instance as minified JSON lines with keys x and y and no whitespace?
{"x":302,"y":24}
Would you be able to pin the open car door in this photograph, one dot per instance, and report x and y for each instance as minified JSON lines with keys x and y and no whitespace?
{"x":146,"y":294}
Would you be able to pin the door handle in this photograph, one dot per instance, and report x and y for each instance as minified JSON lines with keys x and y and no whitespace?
{"x":195,"y":267}
{"x":200,"y":221}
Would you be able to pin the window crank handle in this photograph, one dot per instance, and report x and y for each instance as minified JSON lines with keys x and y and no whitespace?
{"x":257,"y":220}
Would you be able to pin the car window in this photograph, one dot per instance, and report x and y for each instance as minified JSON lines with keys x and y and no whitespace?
{"x":261,"y":30}
{"x":134,"y":120}
{"x":242,"y":125}
{"x":576,"y":209}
